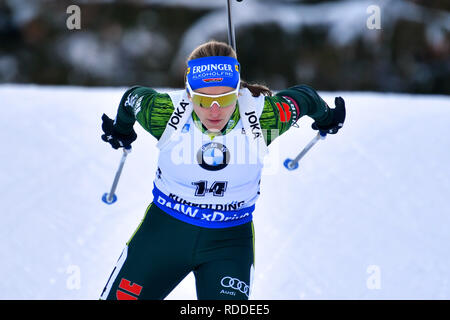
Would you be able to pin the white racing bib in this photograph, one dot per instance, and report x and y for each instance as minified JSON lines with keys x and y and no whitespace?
{"x":210,"y":182}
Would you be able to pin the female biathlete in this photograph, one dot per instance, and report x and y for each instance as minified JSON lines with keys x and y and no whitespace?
{"x":212,"y":138}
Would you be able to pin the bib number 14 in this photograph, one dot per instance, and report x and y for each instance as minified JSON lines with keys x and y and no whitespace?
{"x":218,"y":188}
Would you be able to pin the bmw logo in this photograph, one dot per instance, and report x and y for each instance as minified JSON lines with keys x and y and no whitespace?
{"x":213,"y":156}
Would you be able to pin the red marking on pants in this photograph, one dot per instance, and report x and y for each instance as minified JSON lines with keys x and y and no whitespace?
{"x":127,"y":286}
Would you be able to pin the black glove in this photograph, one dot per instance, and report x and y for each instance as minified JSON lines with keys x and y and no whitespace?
{"x":337,"y":120}
{"x":116,"y":139}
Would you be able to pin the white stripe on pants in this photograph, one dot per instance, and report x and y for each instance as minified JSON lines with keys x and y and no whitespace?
{"x":114,"y":274}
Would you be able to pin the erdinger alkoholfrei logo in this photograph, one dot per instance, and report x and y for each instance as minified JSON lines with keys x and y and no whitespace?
{"x":213,"y":156}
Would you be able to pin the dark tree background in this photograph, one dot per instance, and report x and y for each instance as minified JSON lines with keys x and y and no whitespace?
{"x":122,"y":43}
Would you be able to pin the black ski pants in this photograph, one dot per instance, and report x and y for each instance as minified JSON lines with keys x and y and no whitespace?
{"x":164,"y":250}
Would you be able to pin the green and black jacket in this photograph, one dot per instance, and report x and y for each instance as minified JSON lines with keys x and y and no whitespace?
{"x":153,"y":110}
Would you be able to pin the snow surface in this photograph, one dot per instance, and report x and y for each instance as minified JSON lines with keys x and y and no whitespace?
{"x":366,"y":216}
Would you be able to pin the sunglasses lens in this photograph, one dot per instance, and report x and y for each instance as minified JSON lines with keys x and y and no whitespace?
{"x":206,"y":102}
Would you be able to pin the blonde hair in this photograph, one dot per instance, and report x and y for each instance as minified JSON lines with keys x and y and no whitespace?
{"x":217,"y":48}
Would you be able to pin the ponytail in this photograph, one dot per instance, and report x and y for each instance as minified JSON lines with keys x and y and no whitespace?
{"x":256,"y":89}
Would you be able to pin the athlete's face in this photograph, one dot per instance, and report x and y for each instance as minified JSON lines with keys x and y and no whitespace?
{"x":216,"y":117}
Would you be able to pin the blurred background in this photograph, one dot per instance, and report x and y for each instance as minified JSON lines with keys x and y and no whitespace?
{"x":340,"y":45}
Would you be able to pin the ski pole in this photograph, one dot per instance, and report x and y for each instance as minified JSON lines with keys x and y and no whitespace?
{"x":110,"y":198}
{"x":292,"y":164}
{"x":231,"y":38}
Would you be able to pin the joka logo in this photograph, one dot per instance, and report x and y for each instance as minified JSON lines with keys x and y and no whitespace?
{"x":213,"y":156}
{"x":285,"y":111}
{"x":177,"y":114}
{"x":128,"y":288}
{"x":254,"y":124}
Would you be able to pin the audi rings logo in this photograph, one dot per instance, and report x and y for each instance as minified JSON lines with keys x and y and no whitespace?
{"x":236,"y":284}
